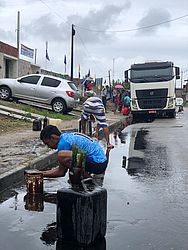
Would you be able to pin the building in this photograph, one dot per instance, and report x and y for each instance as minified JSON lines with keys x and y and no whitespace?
{"x":8,"y":61}
{"x":11,"y":66}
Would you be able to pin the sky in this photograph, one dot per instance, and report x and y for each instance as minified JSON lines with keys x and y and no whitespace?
{"x":109,"y":35}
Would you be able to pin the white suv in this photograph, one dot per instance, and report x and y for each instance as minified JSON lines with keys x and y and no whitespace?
{"x":61,"y":94}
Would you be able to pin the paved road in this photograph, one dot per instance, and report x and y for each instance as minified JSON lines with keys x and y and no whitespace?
{"x":148,"y":208}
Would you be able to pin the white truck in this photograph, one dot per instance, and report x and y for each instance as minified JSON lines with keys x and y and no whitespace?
{"x":152,"y":86}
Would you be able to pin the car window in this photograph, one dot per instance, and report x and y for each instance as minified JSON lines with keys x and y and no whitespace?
{"x":50,"y":82}
{"x":72,"y":85}
{"x":30,"y":79}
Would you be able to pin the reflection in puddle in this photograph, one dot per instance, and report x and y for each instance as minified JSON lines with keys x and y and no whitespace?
{"x":144,"y":157}
{"x":35,"y":202}
{"x":98,"y":245}
{"x":49,"y":235}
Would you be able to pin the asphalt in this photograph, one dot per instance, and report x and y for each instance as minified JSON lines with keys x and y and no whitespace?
{"x":12,"y":176}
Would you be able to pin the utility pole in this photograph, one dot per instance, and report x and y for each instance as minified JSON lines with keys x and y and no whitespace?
{"x":181,"y":79}
{"x":18,"y":39}
{"x":109,"y":78}
{"x":113,"y":70}
{"x":35,"y":56}
{"x":72,"y":50}
{"x":110,"y":85}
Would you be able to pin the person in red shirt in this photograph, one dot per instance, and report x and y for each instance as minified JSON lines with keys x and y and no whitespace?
{"x":89,"y":86}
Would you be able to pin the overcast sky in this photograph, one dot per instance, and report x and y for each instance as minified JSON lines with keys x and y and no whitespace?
{"x":108,"y":33}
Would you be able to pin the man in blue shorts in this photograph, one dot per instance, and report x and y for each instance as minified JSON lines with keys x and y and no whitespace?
{"x":96,"y":160}
{"x":93,"y":106}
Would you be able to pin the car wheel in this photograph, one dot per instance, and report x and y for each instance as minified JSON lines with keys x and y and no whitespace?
{"x":59,"y":106}
{"x":5,"y":93}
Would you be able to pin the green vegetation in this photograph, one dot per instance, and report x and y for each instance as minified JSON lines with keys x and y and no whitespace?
{"x":29,"y":109}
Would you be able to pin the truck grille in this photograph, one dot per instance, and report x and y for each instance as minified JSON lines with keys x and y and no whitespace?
{"x":152,"y":98}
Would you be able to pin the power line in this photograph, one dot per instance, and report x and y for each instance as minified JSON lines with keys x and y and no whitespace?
{"x":53,"y":11}
{"x":134,"y":29}
{"x":88,"y":53}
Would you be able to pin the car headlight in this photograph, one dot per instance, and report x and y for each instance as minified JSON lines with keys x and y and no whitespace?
{"x":134,"y":104}
{"x":170,"y":102}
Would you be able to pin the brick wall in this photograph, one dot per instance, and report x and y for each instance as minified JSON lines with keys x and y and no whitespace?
{"x":8,"y":49}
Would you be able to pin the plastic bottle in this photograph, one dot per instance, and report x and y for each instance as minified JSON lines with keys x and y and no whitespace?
{"x":74,"y":156}
{"x":45,"y":122}
{"x":83,"y":157}
{"x":37,"y":124}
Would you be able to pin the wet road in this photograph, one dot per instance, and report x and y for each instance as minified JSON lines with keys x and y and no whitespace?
{"x":147,"y":205}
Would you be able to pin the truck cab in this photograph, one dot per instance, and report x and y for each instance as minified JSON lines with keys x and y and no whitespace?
{"x":152,"y":86}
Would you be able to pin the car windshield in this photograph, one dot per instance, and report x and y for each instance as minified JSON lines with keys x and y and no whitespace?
{"x":151,"y":75}
{"x":72,"y":85}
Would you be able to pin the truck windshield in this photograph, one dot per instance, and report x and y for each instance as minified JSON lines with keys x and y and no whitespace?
{"x":151,"y":75}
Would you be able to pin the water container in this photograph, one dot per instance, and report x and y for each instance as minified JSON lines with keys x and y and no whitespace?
{"x":81,"y":216}
{"x":37,"y":124}
{"x":34,"y":182}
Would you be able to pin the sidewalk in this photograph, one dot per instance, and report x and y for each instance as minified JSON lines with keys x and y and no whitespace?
{"x":24,"y":150}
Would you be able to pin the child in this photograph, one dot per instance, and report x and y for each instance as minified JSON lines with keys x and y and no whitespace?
{"x":116,"y":102}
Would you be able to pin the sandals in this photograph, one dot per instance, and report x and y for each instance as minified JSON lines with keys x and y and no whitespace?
{"x":110,"y":146}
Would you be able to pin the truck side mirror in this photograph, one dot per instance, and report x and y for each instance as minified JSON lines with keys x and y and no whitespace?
{"x":126,"y":75}
{"x":177,"y":70}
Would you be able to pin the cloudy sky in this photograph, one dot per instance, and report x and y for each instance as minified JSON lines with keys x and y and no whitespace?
{"x":110,"y":35}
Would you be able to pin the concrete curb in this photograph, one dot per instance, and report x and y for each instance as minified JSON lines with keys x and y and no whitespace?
{"x":45,"y":161}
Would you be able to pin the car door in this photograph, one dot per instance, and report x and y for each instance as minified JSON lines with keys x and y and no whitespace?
{"x":25,"y":87}
{"x":47,"y":89}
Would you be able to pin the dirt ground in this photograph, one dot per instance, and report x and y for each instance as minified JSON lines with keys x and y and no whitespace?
{"x":19,"y":143}
{"x":8,"y":124}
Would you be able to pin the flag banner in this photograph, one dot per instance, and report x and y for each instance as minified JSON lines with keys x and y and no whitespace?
{"x":27,"y":51}
{"x":78,"y":70}
{"x":84,"y":80}
{"x":47,"y":56}
{"x":65,"y":60}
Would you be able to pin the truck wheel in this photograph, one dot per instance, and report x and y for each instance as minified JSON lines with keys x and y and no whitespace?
{"x":59,"y":106}
{"x":5,"y":93}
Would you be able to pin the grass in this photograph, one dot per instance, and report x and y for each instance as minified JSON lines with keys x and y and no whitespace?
{"x":29,"y":109}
